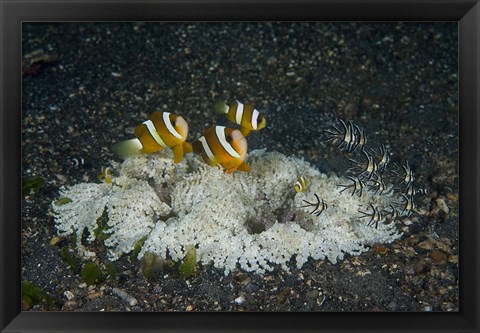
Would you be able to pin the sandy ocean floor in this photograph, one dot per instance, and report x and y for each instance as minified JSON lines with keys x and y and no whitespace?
{"x":86,"y":86}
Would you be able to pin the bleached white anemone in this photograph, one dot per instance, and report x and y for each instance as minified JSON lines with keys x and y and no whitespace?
{"x":252,"y":220}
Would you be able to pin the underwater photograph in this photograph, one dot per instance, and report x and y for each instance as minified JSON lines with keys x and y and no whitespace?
{"x":240,"y":166}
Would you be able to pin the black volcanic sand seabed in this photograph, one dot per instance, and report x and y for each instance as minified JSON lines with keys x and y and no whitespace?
{"x":85,"y":87}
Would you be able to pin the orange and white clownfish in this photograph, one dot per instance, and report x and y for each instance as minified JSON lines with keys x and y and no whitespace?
{"x":224,"y":146}
{"x":301,"y":184}
{"x":244,"y":115}
{"x":105,"y":175}
{"x":162,"y":130}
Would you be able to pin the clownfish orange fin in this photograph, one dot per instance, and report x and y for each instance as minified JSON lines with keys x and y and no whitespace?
{"x":187,"y":148}
{"x":244,"y":167}
{"x":231,"y":170}
{"x":213,"y":161}
{"x":177,"y":153}
{"x":245,"y":131}
{"x":127,"y":148}
{"x":220,"y":107}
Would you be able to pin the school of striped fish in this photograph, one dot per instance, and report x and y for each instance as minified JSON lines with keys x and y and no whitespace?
{"x":370,"y":172}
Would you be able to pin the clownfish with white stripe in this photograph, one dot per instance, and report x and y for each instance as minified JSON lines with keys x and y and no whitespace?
{"x":224,"y":146}
{"x":241,"y":114}
{"x":105,"y":175}
{"x":162,"y":130}
{"x":301,"y":184}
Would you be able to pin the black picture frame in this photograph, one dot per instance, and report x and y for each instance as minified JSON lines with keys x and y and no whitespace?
{"x":13,"y":13}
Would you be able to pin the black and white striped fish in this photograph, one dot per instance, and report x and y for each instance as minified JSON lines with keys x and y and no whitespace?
{"x":375,"y":216}
{"x":357,"y":186}
{"x":407,"y":177}
{"x":350,"y":138}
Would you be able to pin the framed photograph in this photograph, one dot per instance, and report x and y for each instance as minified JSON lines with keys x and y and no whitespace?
{"x":240,"y":166}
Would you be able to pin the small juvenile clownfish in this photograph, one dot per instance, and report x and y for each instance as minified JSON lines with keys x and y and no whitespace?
{"x":246,"y":116}
{"x":301,"y":184}
{"x":162,"y":130}
{"x":105,"y":175}
{"x":224,"y":146}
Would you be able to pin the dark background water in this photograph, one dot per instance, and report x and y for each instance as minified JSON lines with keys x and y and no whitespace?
{"x":87,"y":85}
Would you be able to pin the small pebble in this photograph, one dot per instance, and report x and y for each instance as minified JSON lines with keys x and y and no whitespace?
{"x":379,"y":249}
{"x":440,"y":208}
{"x":95,"y":295}
{"x":239,"y":300}
{"x":453,"y":198}
{"x":438,"y":257}
{"x":61,"y":178}
{"x":69,"y":306}
{"x":453,"y":259}
{"x":363,"y":273}
{"x":69,"y":295}
{"x":283,"y":294}
{"x":89,"y":254}
{"x":124,"y":296}
{"x":54,"y":240}
{"x":426,"y":245}
{"x":312,"y":294}
{"x":420,"y":267}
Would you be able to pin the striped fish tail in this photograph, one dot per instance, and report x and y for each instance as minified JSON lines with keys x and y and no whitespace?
{"x":220,"y":107}
{"x":127,"y":148}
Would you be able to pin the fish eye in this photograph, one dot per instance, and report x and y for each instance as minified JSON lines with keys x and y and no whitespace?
{"x":229,"y":139}
{"x":173,"y":122}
